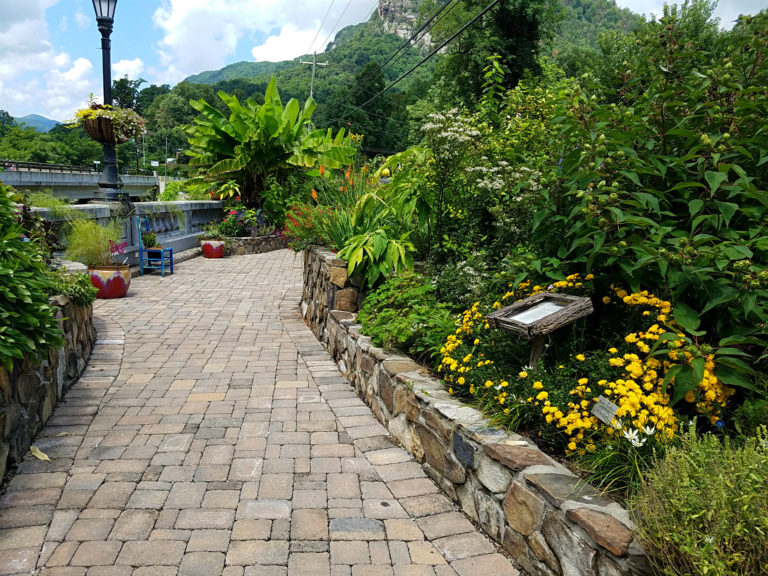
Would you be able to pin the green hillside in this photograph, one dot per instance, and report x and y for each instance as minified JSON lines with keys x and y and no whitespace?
{"x":37,"y":122}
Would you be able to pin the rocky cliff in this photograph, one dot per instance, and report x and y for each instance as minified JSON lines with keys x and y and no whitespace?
{"x":399,"y":16}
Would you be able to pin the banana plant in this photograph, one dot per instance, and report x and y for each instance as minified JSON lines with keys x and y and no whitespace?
{"x":260,"y":141}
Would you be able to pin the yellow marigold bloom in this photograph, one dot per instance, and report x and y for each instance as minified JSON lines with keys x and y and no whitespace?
{"x":496,"y":305}
{"x":606,"y":300}
{"x":630,"y":338}
{"x":612,"y":350}
{"x":538,"y":385}
{"x":523,"y":374}
{"x":589,"y":277}
{"x":580,"y":357}
{"x":583,"y":381}
{"x":476,"y":342}
{"x":571,"y":446}
{"x":461,"y":380}
{"x":488,"y":383}
{"x":646,"y":313}
{"x":543,"y":395}
{"x":616,"y":362}
{"x":450,"y":391}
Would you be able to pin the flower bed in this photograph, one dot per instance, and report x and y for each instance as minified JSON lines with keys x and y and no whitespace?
{"x":549,"y":520}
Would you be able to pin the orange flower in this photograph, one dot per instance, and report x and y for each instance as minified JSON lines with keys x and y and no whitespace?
{"x":322,"y":169}
{"x":314,"y":194}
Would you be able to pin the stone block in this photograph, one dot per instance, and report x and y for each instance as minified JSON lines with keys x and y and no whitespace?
{"x":338,"y":276}
{"x":438,"y":455}
{"x":603,"y":528}
{"x":573,"y":552}
{"x":557,"y":488}
{"x":493,"y":475}
{"x":524,"y":509}
{"x":465,"y":450}
{"x":517,"y":457}
{"x":346,"y":300}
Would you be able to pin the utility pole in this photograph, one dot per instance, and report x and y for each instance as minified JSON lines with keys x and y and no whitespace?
{"x":314,"y":64}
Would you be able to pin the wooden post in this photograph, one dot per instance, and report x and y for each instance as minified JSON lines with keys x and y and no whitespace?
{"x":537,"y":349}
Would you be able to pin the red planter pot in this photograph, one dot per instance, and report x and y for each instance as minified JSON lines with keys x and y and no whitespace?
{"x":112,"y":281}
{"x":212,"y":248}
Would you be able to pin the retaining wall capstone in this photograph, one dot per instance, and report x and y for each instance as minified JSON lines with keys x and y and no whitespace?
{"x":551,"y":522}
{"x":30,"y":392}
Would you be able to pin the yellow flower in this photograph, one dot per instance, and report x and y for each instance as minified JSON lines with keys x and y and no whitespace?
{"x":572,"y":446}
{"x":612,"y":350}
{"x":583,"y":381}
{"x":450,"y":391}
{"x":523,"y":374}
{"x":488,"y":383}
{"x":461,"y":380}
{"x":589,"y":277}
{"x":538,"y":385}
{"x":606,"y":300}
{"x":543,"y":395}
{"x":476,"y":342}
{"x":580,"y":357}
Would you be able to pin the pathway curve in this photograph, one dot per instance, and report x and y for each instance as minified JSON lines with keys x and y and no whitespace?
{"x":212,"y":434}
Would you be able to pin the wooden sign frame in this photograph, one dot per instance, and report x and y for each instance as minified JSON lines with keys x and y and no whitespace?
{"x":569,"y":309}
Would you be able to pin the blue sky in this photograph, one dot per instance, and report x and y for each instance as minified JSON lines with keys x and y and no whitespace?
{"x":50,"y":57}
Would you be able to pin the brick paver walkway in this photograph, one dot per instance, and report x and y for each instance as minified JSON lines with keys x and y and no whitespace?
{"x":212,"y":434}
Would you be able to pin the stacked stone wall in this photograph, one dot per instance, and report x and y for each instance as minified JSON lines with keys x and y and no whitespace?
{"x":550,"y":521}
{"x":254,"y":245}
{"x":30,"y":392}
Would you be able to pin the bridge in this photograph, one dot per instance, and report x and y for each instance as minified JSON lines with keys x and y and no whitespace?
{"x":69,"y":182}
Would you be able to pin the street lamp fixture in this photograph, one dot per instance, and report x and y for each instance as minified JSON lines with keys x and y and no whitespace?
{"x":110,"y":184}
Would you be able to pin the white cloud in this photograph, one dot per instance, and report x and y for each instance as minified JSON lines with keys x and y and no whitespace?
{"x":289,"y":44}
{"x":203,"y":34}
{"x":83,"y":21}
{"x":34,"y":76}
{"x":131,"y":68}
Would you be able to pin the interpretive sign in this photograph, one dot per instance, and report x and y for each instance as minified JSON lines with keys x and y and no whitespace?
{"x":604,"y":410}
{"x":540,"y":314}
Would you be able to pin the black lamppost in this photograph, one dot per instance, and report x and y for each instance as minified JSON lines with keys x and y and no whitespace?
{"x":109,"y":183}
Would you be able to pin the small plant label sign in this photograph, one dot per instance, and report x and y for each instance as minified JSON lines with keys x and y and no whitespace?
{"x":604,"y":410}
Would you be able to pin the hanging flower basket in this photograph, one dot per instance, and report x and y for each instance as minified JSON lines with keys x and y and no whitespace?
{"x":101,"y":130}
{"x":109,"y":124}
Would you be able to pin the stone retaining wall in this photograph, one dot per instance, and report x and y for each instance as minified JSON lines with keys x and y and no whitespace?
{"x":551,"y":522}
{"x":254,"y":245}
{"x":29,"y":393}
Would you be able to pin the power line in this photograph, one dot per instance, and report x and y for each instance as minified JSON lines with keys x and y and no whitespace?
{"x":337,"y":23}
{"x":366,"y":82}
{"x":430,"y":55}
{"x":321,"y":26}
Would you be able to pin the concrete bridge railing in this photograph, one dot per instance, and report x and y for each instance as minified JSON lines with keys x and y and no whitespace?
{"x":73,"y":185}
{"x":176,"y":224}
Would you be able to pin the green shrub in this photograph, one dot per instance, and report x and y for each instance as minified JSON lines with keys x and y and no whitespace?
{"x":77,"y":287}
{"x":89,"y":242}
{"x":404,"y":313}
{"x":172,"y":191}
{"x":27,"y":324}
{"x":703,"y":509}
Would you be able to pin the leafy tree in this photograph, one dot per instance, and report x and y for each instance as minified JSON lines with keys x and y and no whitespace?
{"x":125,"y":92}
{"x":6,"y":121}
{"x":514,"y":29}
{"x":256,"y":142}
{"x":147,"y":96}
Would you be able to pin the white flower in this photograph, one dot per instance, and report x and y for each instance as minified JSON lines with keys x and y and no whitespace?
{"x":632,"y":436}
{"x":649,"y":430}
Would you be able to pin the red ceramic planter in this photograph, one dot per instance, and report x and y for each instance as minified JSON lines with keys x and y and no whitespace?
{"x":212,"y":248}
{"x":112,"y":281}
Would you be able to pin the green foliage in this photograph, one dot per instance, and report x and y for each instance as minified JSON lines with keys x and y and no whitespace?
{"x":88,"y":242}
{"x":256,"y":142}
{"x":27,"y":323}
{"x":404,"y":313}
{"x":76,"y":286}
{"x":703,"y":509}
{"x":374,"y":254}
{"x":148,"y":239}
{"x":172,"y":191}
